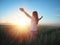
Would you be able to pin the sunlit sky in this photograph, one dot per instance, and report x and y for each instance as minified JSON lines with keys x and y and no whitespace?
{"x":49,"y":9}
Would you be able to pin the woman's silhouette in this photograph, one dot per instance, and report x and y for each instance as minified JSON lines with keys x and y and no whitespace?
{"x":34,"y":22}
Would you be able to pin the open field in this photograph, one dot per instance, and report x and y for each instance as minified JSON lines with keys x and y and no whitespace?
{"x":47,"y":35}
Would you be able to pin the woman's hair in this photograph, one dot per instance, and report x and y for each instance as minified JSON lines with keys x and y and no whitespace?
{"x":35,"y":14}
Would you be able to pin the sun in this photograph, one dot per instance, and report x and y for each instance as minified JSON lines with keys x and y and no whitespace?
{"x":19,"y":20}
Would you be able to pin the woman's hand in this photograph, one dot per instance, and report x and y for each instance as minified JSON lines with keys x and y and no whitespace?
{"x":41,"y":16}
{"x":21,"y":9}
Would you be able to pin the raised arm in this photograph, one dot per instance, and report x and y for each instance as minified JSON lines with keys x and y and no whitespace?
{"x":21,"y":9}
{"x":40,"y":18}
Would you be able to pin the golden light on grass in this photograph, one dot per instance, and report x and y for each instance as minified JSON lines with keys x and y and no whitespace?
{"x":19,"y":33}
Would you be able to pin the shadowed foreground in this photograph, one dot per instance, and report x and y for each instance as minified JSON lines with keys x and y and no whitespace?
{"x":47,"y":35}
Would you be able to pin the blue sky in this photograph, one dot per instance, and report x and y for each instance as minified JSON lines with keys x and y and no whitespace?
{"x":49,"y":9}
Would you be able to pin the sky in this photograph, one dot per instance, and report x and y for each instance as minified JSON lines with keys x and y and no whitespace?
{"x":49,"y":9}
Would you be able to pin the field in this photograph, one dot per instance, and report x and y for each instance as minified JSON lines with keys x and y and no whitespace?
{"x":47,"y":35}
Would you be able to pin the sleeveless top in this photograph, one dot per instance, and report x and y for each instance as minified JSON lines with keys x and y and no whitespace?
{"x":33,"y":25}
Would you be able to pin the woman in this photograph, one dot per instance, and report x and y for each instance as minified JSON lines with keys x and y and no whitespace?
{"x":34,"y":22}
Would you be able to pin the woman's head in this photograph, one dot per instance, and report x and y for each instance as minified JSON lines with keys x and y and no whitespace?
{"x":35,"y":14}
